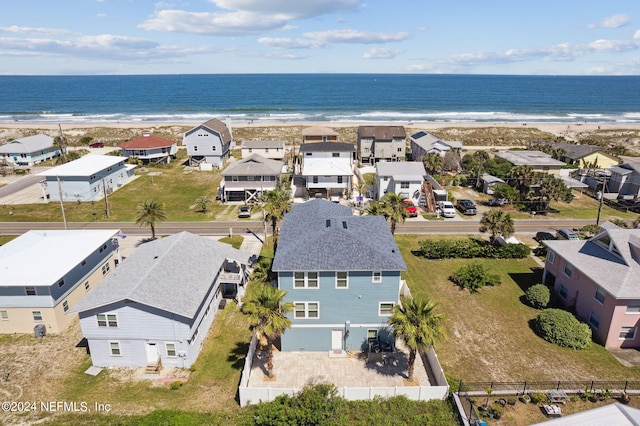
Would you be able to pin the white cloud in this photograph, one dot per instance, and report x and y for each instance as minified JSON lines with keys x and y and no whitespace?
{"x":615,"y":21}
{"x":30,"y":30}
{"x":636,"y":35}
{"x":382,"y":53}
{"x":353,"y":36}
{"x":290,"y":43}
{"x":240,"y":17}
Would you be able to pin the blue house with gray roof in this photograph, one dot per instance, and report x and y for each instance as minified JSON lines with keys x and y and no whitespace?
{"x":156,"y":308}
{"x":342,"y":273}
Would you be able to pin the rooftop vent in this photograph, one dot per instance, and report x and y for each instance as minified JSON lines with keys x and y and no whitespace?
{"x":344,"y":224}
{"x":328,"y":223}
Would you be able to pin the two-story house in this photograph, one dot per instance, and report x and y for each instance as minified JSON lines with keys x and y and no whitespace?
{"x":272,"y":149}
{"x":209,"y":142}
{"x":342,"y":274}
{"x":149,"y":148}
{"x":598,"y":278}
{"x":29,"y":150}
{"x":423,"y":142}
{"x":625,"y":180}
{"x":157,"y":307}
{"x":88,"y":178}
{"x":537,"y":160}
{"x":319,"y":134}
{"x":381,"y":143}
{"x":404,"y":179}
{"x":327,"y":168}
{"x":45,"y":273}
{"x":247,"y":179}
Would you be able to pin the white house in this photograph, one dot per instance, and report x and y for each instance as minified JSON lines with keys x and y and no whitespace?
{"x":45,"y":273}
{"x":88,"y":178}
{"x":404,"y":179}
{"x":327,"y":167}
{"x":157,"y":307}
{"x":209,"y":142}
{"x":272,"y":149}
{"x":423,"y":142}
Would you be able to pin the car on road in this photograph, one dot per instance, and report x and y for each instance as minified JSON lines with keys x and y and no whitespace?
{"x":96,"y":145}
{"x":566,"y":234}
{"x":466,"y":207}
{"x":411,"y":208}
{"x":446,"y":209}
{"x":543,"y":236}
{"x":244,"y":212}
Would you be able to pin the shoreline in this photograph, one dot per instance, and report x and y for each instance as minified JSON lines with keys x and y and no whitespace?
{"x":557,"y":128}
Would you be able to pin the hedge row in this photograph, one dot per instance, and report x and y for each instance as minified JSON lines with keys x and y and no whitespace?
{"x":470,"y":248}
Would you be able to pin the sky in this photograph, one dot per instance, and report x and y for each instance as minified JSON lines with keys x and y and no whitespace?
{"x":112,"y":37}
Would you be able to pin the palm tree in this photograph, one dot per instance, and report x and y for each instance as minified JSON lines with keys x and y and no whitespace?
{"x":418,"y":326}
{"x":498,"y":223}
{"x":60,"y":142}
{"x":149,"y":213}
{"x":376,"y":208}
{"x":433,"y":162}
{"x":521,"y":178}
{"x":268,"y":315}
{"x":275,"y":204}
{"x":202,"y":202}
{"x":394,"y":209}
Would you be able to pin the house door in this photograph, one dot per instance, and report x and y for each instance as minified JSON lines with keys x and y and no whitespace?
{"x":336,"y":340}
{"x":152,"y":353}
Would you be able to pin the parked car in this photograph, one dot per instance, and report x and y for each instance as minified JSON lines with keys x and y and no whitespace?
{"x":543,"y":236}
{"x":466,"y":207}
{"x":498,"y":202}
{"x":96,"y":145}
{"x":446,"y":209}
{"x":566,"y":234}
{"x":411,"y":208}
{"x":244,"y":211}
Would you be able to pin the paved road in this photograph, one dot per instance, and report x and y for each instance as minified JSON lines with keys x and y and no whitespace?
{"x":257,"y":227}
{"x":21,"y":184}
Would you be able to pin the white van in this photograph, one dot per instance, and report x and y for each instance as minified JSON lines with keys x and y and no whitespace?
{"x":447,"y":209}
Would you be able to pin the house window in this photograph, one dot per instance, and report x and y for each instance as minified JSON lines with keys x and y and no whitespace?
{"x":251,"y":177}
{"x":61,"y":283}
{"x":372,"y":333}
{"x":234,"y":178}
{"x":399,"y":149}
{"x":600,"y":295}
{"x":31,"y":291}
{"x":335,"y":154}
{"x":105,"y":268}
{"x":84,"y":262}
{"x":563,"y":292}
{"x":306,"y":310}
{"x":65,"y":306}
{"x":170,"y":349}
{"x":633,"y":307}
{"x":385,"y":309}
{"x":342,"y":279}
{"x":404,"y":185}
{"x":594,"y":320}
{"x":376,"y":277}
{"x":551,"y":256}
{"x":107,"y":320}
{"x":339,"y":179}
{"x":4,"y":315}
{"x":266,"y":150}
{"x":114,"y":347}
{"x":87,"y":286}
{"x":315,"y":179}
{"x":213,"y":148}
{"x":250,"y":150}
{"x":627,"y":333}
{"x":37,"y":315}
{"x":195,"y":148}
{"x":305,"y":280}
{"x":195,"y":335}
{"x":385,"y":178}
{"x":568,"y":269}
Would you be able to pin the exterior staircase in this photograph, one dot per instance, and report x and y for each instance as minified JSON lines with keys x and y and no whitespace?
{"x":427,"y":197}
{"x":154,"y":368}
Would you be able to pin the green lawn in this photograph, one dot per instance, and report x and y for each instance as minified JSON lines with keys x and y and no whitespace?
{"x":489,"y":337}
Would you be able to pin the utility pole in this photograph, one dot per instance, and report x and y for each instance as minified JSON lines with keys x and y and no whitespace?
{"x":604,"y":181}
{"x":106,"y":201}
{"x":64,"y":217}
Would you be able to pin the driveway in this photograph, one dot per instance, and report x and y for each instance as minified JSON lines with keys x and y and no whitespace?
{"x":22,"y":189}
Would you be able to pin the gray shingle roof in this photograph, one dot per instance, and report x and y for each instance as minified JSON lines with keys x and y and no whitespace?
{"x":427,"y":141}
{"x":322,"y":236}
{"x":381,"y":132}
{"x":173,"y":274}
{"x":269,"y":143}
{"x":576,"y":152}
{"x":215,"y":125}
{"x":409,"y":170}
{"x":254,"y":165}
{"x":618,"y":275}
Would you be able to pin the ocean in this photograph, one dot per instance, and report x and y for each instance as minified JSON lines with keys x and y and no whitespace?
{"x":320,"y":97}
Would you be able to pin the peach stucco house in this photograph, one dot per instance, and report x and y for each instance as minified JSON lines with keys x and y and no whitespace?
{"x":600,"y":279}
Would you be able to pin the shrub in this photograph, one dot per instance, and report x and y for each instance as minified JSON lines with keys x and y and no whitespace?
{"x":176,"y":385}
{"x":470,"y":248}
{"x":563,"y":329}
{"x":538,"y":397}
{"x":538,"y":296}
{"x":474,"y":276}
